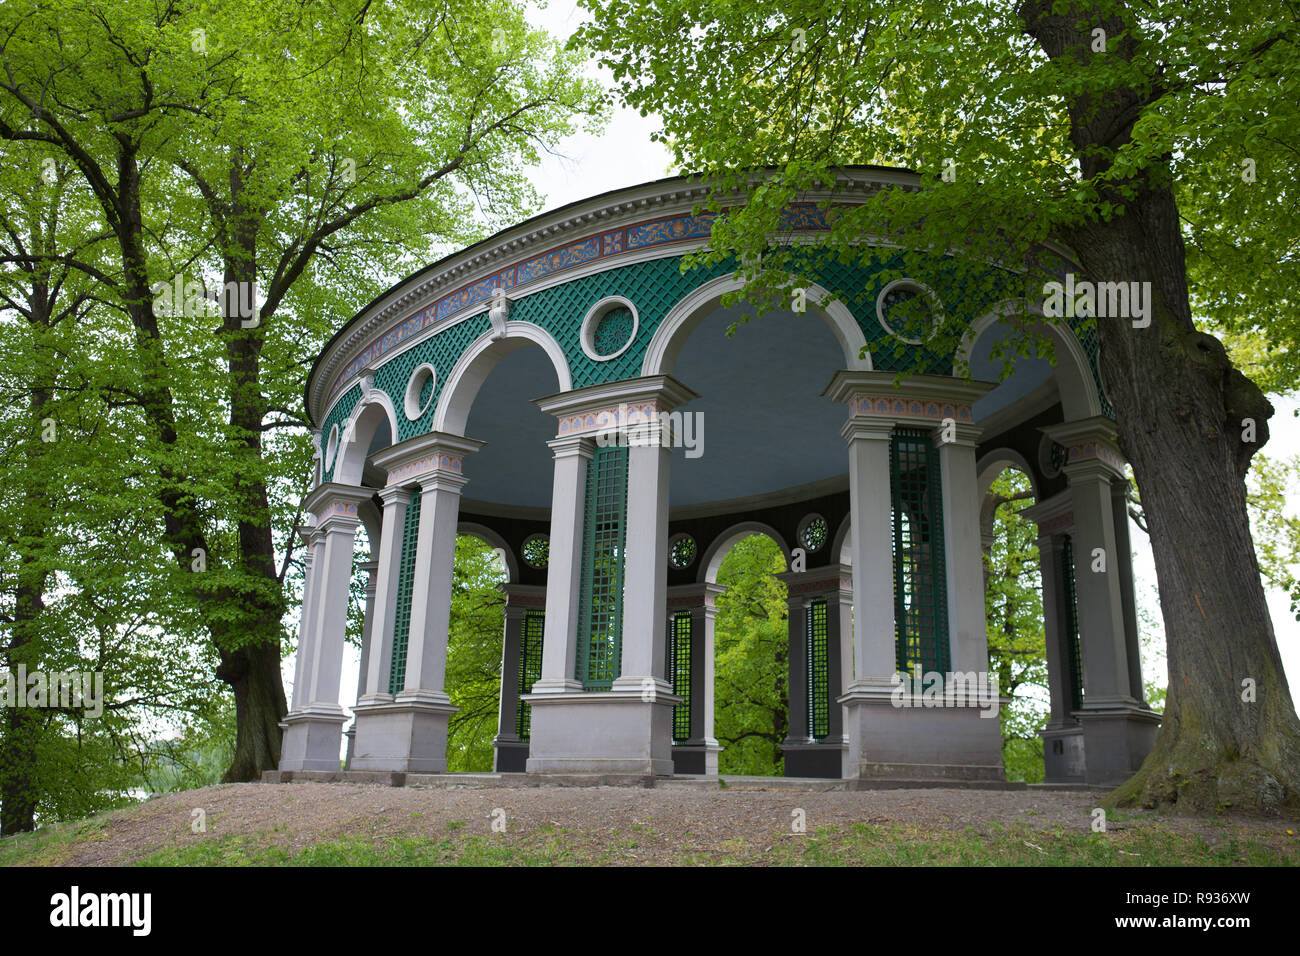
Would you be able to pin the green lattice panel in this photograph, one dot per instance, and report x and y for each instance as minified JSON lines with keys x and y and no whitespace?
{"x":816,"y":636}
{"x":441,"y":352}
{"x":532,"y":629}
{"x":655,"y":287}
{"x":679,"y":672}
{"x":1073,"y":649}
{"x":600,"y":608}
{"x":405,"y":585}
{"x":920,"y":581}
{"x":338,"y":415}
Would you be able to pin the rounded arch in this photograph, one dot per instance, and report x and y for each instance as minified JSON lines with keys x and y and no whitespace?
{"x":842,"y":543}
{"x":1072,"y":372}
{"x":478,"y":361}
{"x":987,"y":469}
{"x":993,"y":463}
{"x":666,"y":343}
{"x":494,"y":541}
{"x":374,"y":409}
{"x":711,"y":559}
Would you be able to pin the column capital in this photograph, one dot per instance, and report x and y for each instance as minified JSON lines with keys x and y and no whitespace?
{"x":582,"y":446}
{"x":615,"y":405}
{"x":686,"y":597}
{"x":434,"y":454}
{"x":372,"y":569}
{"x":1054,"y":515}
{"x":1091,"y":447}
{"x":394,"y":494}
{"x":523,"y":597}
{"x":916,"y":401}
{"x":827,"y":580}
{"x":335,"y":504}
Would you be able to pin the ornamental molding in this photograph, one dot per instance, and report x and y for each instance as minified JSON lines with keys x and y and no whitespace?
{"x":604,"y":228}
{"x":428,"y":454}
{"x":402,"y":474}
{"x":884,"y":406}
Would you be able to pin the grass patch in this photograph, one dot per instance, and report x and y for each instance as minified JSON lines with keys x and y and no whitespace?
{"x":52,"y":845}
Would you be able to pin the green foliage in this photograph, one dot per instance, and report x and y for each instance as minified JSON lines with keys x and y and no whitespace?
{"x":474,"y":654}
{"x":751,"y":650}
{"x":1013,"y":604}
{"x":314,"y":150}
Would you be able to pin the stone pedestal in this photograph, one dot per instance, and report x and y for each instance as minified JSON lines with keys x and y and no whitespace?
{"x":402,"y":735}
{"x":312,"y":738}
{"x":603,"y":732}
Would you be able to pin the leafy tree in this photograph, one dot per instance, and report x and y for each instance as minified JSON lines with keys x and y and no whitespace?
{"x":304,"y":150}
{"x":1103,"y":126}
{"x":474,"y":654}
{"x":751,"y":660}
{"x":1013,"y":603}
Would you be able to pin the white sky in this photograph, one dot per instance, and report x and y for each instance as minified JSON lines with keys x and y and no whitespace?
{"x":625,"y":156}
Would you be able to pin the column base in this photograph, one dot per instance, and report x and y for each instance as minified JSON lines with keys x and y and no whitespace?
{"x":407,"y":736}
{"x":810,"y":758}
{"x":697,"y":757}
{"x":1063,"y":754}
{"x":312,"y":739}
{"x":1115,"y":742}
{"x":510,"y":754}
{"x":888,"y":741}
{"x":601,"y":732}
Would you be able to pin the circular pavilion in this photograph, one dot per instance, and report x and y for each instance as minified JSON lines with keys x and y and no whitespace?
{"x":564,"y":391}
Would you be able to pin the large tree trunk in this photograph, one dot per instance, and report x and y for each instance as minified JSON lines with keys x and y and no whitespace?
{"x":19,"y":779}
{"x":253,"y":673}
{"x":1181,"y":411}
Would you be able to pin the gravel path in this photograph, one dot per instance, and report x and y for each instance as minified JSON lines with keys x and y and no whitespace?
{"x":666,"y":820}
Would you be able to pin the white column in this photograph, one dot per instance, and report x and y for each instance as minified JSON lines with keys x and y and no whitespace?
{"x":963,"y":554}
{"x":874,"y":657}
{"x":367,"y":627}
{"x":329,"y":622}
{"x":426,"y":651}
{"x":564,"y":567}
{"x":1101,"y":607}
{"x":645,"y":569}
{"x":302,"y":665}
{"x":389,"y":555}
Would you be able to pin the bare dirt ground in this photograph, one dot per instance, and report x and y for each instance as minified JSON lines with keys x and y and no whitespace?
{"x":667,"y":821}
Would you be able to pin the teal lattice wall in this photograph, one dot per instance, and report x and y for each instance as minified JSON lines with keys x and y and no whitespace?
{"x":655,"y":287}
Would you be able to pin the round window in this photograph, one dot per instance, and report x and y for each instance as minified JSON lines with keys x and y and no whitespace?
{"x":609,"y":328}
{"x":812,"y":533}
{"x":332,"y":446}
{"x":908,"y":311}
{"x":681,"y":551}
{"x":419,"y":391}
{"x":536,"y":551}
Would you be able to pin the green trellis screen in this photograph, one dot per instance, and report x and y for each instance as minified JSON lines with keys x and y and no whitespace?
{"x":405,"y":585}
{"x":920,"y":587}
{"x":532,"y":627}
{"x":818,"y":678}
{"x":679,"y":672}
{"x":600,"y":615}
{"x":1072,"y":624}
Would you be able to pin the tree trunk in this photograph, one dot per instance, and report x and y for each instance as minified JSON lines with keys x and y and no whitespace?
{"x":253,"y":673}
{"x":1230,"y":738}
